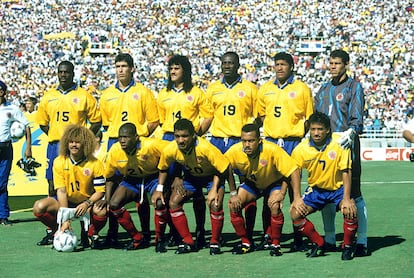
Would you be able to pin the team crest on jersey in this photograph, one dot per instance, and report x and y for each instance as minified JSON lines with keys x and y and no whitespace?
{"x":135,"y":96}
{"x":199,"y":159}
{"x":241,"y":94}
{"x":292,"y":94}
{"x":87,"y":172}
{"x":190,"y":98}
{"x":332,"y":155}
{"x":263,"y":162}
{"x":75,"y":100}
{"x":339,"y":97}
{"x":144,"y":157}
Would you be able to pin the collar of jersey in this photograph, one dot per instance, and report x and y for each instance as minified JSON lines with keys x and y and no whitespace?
{"x":328,"y":140}
{"x":282,"y":86}
{"x":134,"y":150}
{"x":131,"y":83}
{"x":175,"y":90}
{"x":74,"y":86}
{"x":230,"y":86}
{"x":76,"y":162}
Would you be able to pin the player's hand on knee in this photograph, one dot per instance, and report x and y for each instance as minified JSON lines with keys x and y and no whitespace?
{"x":348,"y":209}
{"x":235,"y":203}
{"x":101,"y":204}
{"x":300,"y":207}
{"x":156,"y":197}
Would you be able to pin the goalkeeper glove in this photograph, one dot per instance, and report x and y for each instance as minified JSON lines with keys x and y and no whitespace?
{"x":347,"y":138}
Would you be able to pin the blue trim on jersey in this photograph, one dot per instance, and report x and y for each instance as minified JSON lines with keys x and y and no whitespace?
{"x":232,"y":85}
{"x":327,"y":141}
{"x":288,"y":81}
{"x":60,"y":89}
{"x":131,"y":83}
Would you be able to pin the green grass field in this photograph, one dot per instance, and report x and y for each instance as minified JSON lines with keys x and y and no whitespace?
{"x":388,"y":189}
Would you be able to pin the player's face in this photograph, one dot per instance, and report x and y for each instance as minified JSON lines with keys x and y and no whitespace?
{"x":29,"y":106}
{"x":184,"y":139}
{"x":127,"y":140}
{"x":65,"y":76}
{"x":123,"y":72}
{"x":176,"y":73}
{"x":283,"y":70}
{"x":318,"y":133}
{"x":250,"y":142}
{"x":229,"y":66}
{"x":75,"y":149}
{"x":337,"y":68}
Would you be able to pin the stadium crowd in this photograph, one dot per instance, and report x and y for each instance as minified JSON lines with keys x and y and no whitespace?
{"x":36,"y":35}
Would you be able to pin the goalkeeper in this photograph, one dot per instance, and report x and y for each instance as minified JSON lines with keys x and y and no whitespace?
{"x":342,"y":99}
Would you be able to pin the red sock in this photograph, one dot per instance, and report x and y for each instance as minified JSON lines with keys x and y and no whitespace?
{"x":124,"y":219}
{"x":250,"y":214}
{"x":98,"y":222}
{"x":160,"y":223}
{"x":217,"y":221}
{"x":306,"y":228}
{"x":143,"y":211}
{"x":181,"y":224}
{"x":276,"y":224}
{"x":239,"y":226}
{"x":48,"y":219}
{"x":350,"y":229}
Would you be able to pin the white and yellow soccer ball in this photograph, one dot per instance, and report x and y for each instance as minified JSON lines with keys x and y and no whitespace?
{"x":17,"y":130}
{"x":65,"y":241}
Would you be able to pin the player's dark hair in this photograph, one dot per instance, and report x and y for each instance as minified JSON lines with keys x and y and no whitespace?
{"x":339,"y":53}
{"x":231,"y":53}
{"x":184,"y":124}
{"x":130,"y":128}
{"x":320,"y":118}
{"x":32,"y":100}
{"x":285,"y":57}
{"x":250,"y":128}
{"x":99,"y":134}
{"x":125,"y":57}
{"x":70,"y":66}
{"x":78,"y":133}
{"x":186,"y":65}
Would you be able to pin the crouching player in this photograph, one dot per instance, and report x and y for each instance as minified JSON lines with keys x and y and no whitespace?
{"x":136,"y":160}
{"x":203,"y":166}
{"x":79,"y":180}
{"x":329,"y":181}
{"x":261,"y":167}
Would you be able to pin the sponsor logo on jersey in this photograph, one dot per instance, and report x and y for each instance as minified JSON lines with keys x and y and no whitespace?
{"x":112,"y":98}
{"x":52,"y":99}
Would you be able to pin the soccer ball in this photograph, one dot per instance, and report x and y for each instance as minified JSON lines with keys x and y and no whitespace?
{"x":65,"y":241}
{"x":17,"y":130}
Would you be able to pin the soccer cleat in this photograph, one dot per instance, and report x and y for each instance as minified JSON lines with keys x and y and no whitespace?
{"x":215,"y":249}
{"x":134,"y":245}
{"x":173,"y":240}
{"x":316,"y":251}
{"x":85,"y":239}
{"x":361,"y":250}
{"x":347,"y":253}
{"x":94,"y":242}
{"x":264,"y":244}
{"x":160,"y":247}
{"x":184,"y":248}
{"x":329,"y":247}
{"x":299,"y":248}
{"x":47,"y":239}
{"x":275,"y":251}
{"x":200,"y":242}
{"x":241,"y":249}
{"x":111,"y":241}
{"x":5,"y":222}
{"x":146,"y":241}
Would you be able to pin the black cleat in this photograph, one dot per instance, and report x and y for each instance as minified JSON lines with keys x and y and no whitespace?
{"x":160,"y":247}
{"x":5,"y":222}
{"x":184,"y":248}
{"x":316,"y":251}
{"x":303,"y":247}
{"x":275,"y":251}
{"x":47,"y":239}
{"x":264,"y":244}
{"x":95,"y":242}
{"x":134,"y":245}
{"x":200,"y":242}
{"x":329,"y":247}
{"x":215,"y":249}
{"x":361,"y":250}
{"x":241,"y":249}
{"x":347,"y":253}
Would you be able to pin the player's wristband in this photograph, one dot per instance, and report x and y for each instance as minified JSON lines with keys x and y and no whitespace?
{"x":233,"y":193}
{"x":160,"y":188}
{"x":89,"y":202}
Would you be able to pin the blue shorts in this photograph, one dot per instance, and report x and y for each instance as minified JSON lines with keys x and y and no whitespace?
{"x":196,"y":184}
{"x":223,"y":144}
{"x":168,"y":136}
{"x":52,"y":152}
{"x":288,"y":144}
{"x":135,"y":184}
{"x":318,"y":198}
{"x":257,"y":193}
